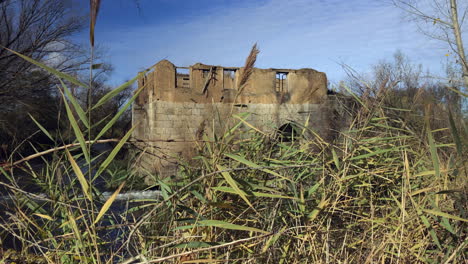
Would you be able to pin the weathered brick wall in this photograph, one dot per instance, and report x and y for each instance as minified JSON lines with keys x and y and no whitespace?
{"x":170,"y":129}
{"x":172,"y":118}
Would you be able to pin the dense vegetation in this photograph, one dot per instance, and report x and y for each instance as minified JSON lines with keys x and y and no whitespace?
{"x":391,"y":188}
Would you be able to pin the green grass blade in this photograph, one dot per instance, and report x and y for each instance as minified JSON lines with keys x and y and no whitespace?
{"x":446,"y":224}
{"x":335,"y":159}
{"x":256,"y":194}
{"x":442,"y":214}
{"x":48,"y":69}
{"x":236,"y":126}
{"x":7,"y":175}
{"x":121,"y":111}
{"x":116,"y":91}
{"x":108,"y":203}
{"x":222,"y":224}
{"x":322,"y":204}
{"x":233,"y":184}
{"x":431,"y":230}
{"x":455,"y":134}
{"x":242,"y":160}
{"x":76,"y":130}
{"x":313,"y":189}
{"x":242,"y":119}
{"x":76,"y":105}
{"x":255,"y":166}
{"x":381,"y":151}
{"x":355,"y":97}
{"x":41,"y":128}
{"x":114,"y":152}
{"x":79,"y":174}
{"x":272,"y":240}
{"x":433,"y":150}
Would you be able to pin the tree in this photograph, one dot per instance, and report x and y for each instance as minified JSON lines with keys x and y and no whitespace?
{"x":448,"y":24}
{"x":39,"y":29}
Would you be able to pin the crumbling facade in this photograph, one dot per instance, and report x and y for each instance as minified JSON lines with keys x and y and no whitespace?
{"x":179,"y":104}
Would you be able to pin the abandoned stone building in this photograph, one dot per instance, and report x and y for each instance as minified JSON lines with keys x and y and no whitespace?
{"x":179,"y":104}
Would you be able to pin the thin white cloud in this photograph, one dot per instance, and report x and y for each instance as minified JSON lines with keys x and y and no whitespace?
{"x":292,"y":34}
{"x":55,"y":58}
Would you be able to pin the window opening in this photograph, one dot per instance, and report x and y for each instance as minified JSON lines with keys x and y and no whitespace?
{"x":281,"y":82}
{"x":182,"y":77}
{"x":229,"y":79}
{"x":206,"y":74}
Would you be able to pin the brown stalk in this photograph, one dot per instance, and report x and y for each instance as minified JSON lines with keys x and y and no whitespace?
{"x":246,"y":73}
{"x":9,"y":166}
{"x":94,"y":6}
{"x":248,"y":67}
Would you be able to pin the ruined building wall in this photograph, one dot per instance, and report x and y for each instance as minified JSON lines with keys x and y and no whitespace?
{"x":174,"y":109}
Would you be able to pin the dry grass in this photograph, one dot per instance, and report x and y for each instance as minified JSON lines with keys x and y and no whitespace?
{"x":384,"y":192}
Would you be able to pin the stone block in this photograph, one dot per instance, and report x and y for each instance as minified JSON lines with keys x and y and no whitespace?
{"x":178,"y":113}
{"x":196,"y":112}
{"x":189,"y":105}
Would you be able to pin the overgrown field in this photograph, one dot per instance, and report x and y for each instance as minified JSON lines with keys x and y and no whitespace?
{"x":392,"y":188}
{"x":382,"y":193}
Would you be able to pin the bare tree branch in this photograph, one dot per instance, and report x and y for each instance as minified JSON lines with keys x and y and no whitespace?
{"x":445,"y":18}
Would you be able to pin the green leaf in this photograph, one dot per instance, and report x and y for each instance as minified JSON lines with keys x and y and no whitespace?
{"x":442,"y":214}
{"x":381,"y":151}
{"x":47,"y":68}
{"x":433,"y":150}
{"x":355,"y":97}
{"x":318,"y":209}
{"x":116,"y":91}
{"x":76,"y":130}
{"x":257,"y":194}
{"x":121,"y":111}
{"x":272,"y":240}
{"x":222,"y":224}
{"x":233,"y":184}
{"x":76,"y":105}
{"x":313,"y":189}
{"x":199,"y":196}
{"x":431,"y":230}
{"x":114,"y":152}
{"x":79,"y":174}
{"x":446,"y":224}
{"x":7,"y":175}
{"x":235,"y":127}
{"x":108,"y":203}
{"x":41,"y":128}
{"x":255,"y":166}
{"x":335,"y":159}
{"x":456,"y":136}
{"x":240,"y":117}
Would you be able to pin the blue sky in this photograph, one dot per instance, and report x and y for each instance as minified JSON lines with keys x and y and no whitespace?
{"x":317,"y":34}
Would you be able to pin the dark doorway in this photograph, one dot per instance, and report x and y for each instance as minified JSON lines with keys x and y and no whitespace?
{"x":288,"y":132}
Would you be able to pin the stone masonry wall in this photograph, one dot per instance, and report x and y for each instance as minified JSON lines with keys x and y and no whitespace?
{"x":170,"y":130}
{"x":178,"y":105}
